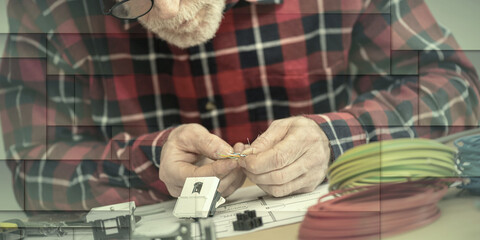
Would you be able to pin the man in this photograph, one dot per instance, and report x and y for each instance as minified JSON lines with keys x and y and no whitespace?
{"x":132,"y":108}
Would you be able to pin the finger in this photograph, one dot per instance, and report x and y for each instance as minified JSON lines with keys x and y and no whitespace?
{"x":234,"y":186}
{"x":203,"y":161}
{"x":238,"y":147}
{"x":212,"y":146}
{"x":305,"y":182}
{"x":241,"y":160}
{"x":174,"y":191}
{"x":280,"y":176}
{"x":305,"y":190}
{"x":274,"y":133}
{"x":231,"y":182}
{"x":175,"y":167}
{"x":175,"y":182}
{"x":198,"y":139}
{"x":219,"y":168}
{"x":279,"y":156}
{"x":284,"y":189}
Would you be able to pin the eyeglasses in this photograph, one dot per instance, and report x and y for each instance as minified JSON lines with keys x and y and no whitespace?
{"x":128,"y":9}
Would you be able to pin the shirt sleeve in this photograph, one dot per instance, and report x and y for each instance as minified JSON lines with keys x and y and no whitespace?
{"x":77,"y":167}
{"x":61,"y":159}
{"x":410,"y":79}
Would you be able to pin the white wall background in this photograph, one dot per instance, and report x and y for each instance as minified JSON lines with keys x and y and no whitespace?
{"x":460,"y":16}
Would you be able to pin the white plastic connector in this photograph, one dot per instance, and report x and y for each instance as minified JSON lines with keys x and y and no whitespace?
{"x":199,"y":198}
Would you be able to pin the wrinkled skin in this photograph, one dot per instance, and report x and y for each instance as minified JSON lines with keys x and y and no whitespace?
{"x":291,"y":156}
{"x":192,"y":151}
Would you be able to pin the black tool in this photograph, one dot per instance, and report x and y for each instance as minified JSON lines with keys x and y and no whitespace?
{"x":116,"y":228}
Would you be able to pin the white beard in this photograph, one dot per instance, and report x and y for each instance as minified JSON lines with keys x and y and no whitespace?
{"x":204,"y":18}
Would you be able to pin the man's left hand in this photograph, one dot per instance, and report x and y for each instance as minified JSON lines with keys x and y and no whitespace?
{"x":290,"y":157}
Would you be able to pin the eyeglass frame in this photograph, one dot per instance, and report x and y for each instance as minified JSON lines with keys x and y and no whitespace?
{"x":109,"y":12}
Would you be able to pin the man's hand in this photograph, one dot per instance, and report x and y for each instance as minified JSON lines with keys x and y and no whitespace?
{"x":191,"y":151}
{"x":290,"y":157}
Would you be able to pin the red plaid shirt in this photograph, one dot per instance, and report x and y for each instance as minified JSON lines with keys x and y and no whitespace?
{"x":87,"y":100}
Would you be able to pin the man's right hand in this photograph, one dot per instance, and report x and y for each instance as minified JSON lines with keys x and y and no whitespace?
{"x":192,"y":151}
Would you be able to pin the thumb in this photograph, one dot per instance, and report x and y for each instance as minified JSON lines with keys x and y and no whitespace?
{"x":220,"y":168}
{"x":239,"y":147}
{"x":211,"y":146}
{"x":274,"y":134}
{"x":199,"y":140}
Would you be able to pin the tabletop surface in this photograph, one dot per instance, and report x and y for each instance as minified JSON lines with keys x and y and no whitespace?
{"x":460,"y":216}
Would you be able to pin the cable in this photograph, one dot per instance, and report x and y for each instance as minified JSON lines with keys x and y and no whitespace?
{"x":452,"y":137}
{"x":374,"y":211}
{"x":389,"y":161}
{"x":382,"y":188}
{"x":468,"y":162}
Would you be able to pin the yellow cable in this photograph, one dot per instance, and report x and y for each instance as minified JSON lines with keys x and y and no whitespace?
{"x":7,"y":226}
{"x":388,"y":161}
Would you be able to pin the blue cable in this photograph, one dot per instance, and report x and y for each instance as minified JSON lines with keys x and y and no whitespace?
{"x":468,"y":162}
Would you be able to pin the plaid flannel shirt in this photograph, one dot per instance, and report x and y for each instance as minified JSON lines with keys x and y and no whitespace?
{"x":87,"y":101}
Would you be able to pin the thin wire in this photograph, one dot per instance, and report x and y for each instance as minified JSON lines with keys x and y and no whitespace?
{"x":232,"y":155}
{"x":468,"y":162}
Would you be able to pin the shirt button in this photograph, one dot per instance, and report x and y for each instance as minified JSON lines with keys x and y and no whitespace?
{"x":210,"y":106}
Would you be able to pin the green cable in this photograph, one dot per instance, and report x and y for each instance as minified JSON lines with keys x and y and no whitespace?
{"x":390,"y":161}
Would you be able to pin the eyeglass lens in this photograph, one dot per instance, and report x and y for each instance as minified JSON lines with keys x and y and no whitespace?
{"x":132,"y":9}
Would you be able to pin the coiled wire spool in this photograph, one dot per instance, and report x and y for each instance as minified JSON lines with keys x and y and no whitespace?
{"x":392,"y":161}
{"x":375,"y":211}
{"x":468,"y":162}
{"x":382,"y":188}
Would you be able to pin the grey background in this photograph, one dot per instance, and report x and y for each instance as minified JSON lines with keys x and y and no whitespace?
{"x":461,"y":17}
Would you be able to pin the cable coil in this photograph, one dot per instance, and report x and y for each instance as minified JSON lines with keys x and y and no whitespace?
{"x":468,"y":162}
{"x":382,"y":188}
{"x":374,"y":211}
{"x":391,"y":161}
